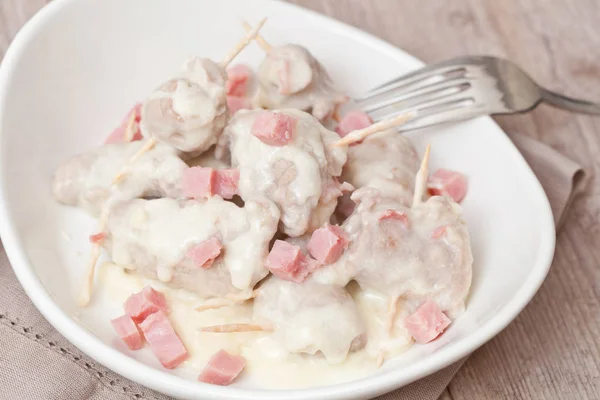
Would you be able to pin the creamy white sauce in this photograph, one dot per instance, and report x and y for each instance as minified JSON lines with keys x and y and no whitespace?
{"x":189,"y":111}
{"x":386,"y":161}
{"x":294,"y":176}
{"x":308,"y":85}
{"x":154,"y":237}
{"x":85,"y":180}
{"x":269,"y":364}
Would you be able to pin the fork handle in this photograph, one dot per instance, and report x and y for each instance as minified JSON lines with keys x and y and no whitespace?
{"x":569,"y":103}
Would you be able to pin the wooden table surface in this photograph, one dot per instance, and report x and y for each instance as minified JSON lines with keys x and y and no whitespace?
{"x":558,"y":42}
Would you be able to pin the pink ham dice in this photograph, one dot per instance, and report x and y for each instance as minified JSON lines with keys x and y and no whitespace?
{"x":444,"y":182}
{"x":353,"y":121}
{"x":199,"y":182}
{"x":140,"y":305}
{"x":128,"y":332}
{"x":222,"y":368}
{"x":274,"y":129}
{"x":395,"y":216}
{"x":287,"y":262}
{"x":427,"y":322}
{"x":163,"y":340}
{"x":97,"y":238}
{"x":237,"y":80}
{"x":227,"y":182}
{"x":327,"y":244}
{"x":438,"y":232}
{"x":118,"y":135}
{"x":235,"y":104}
{"x":203,"y":254}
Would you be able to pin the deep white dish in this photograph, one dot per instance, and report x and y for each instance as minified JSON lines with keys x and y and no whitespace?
{"x":79,"y":65}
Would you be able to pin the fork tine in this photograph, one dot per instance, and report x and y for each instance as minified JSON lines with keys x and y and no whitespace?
{"x":424,"y":93}
{"x":440,"y":113}
{"x":427,"y":108}
{"x":415,"y":78}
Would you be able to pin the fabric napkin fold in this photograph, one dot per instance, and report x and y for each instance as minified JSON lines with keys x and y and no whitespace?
{"x":36,"y":362}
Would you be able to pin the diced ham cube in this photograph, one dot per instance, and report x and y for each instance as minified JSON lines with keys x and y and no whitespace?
{"x":140,"y":305}
{"x":427,"y":322}
{"x":237,"y":80}
{"x":227,"y":182}
{"x":235,"y":104}
{"x":163,"y":340}
{"x":444,"y":182}
{"x":97,"y":238}
{"x":128,"y":332}
{"x":352,"y":121}
{"x":118,"y":135}
{"x":396,"y":216}
{"x":274,"y":129}
{"x":204,"y":253}
{"x":438,"y":232}
{"x":222,"y":368}
{"x":327,"y":244}
{"x":287,"y":262}
{"x":199,"y":182}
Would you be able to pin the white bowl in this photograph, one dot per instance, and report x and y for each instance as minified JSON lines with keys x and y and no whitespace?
{"x":78,"y":65}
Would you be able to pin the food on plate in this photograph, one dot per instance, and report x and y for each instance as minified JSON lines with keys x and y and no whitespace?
{"x":128,"y":331}
{"x":268,"y":238}
{"x":222,"y":368}
{"x":146,"y":320}
{"x":286,"y":156}
{"x":165,"y":239}
{"x":163,"y":339}
{"x":290,"y":77}
{"x":189,"y":111}
{"x":302,"y":315}
{"x":85,"y":180}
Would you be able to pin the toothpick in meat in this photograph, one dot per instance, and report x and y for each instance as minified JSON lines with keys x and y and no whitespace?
{"x":361,"y":134}
{"x":88,"y":283}
{"x":143,"y":150}
{"x":380,"y":358}
{"x":259,"y":39}
{"x":129,"y":132}
{"x":391,"y":315}
{"x":227,"y":301}
{"x":421,"y":179}
{"x":243,"y":43}
{"x":85,"y":294}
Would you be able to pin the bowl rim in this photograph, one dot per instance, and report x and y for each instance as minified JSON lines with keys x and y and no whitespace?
{"x":166,"y":383}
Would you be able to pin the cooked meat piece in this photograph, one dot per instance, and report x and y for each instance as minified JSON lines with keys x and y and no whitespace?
{"x":128,"y":331}
{"x":445,"y":182}
{"x":386,"y":161}
{"x":159,"y":239}
{"x":222,"y":368}
{"x":290,"y":77}
{"x":163,"y":340}
{"x":189,"y":111}
{"x":287,"y":160}
{"x":85,"y":180}
{"x":311,"y":317}
{"x":414,"y":253}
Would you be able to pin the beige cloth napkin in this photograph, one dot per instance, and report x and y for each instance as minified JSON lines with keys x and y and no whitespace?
{"x":37,"y":363}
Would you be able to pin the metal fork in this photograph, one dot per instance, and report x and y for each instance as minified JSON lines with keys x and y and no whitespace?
{"x":460,"y":89}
